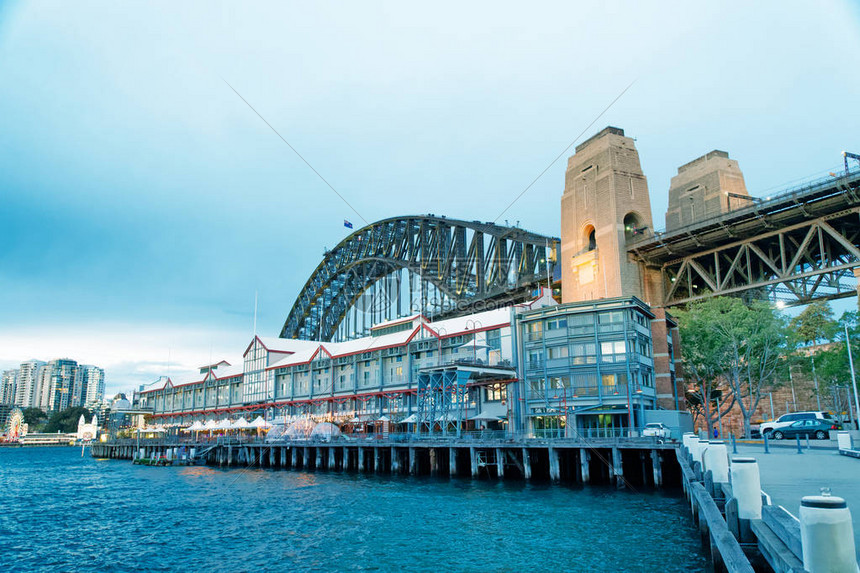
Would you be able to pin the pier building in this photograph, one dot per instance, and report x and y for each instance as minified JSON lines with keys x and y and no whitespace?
{"x":535,"y":368}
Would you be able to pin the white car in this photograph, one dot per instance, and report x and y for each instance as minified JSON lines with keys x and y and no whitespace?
{"x":788,"y":419}
{"x":657,"y":430}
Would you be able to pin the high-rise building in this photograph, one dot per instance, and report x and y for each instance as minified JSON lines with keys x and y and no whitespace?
{"x":52,"y":386}
{"x":65,"y":384}
{"x":93,"y":381}
{"x":8,"y":383}
{"x":25,"y":393}
{"x":44,"y":387}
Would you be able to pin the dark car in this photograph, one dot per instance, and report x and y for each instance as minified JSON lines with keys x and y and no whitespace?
{"x":818,"y":429}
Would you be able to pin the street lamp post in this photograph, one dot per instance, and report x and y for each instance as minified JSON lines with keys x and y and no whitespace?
{"x":719,"y":418}
{"x":793,"y":395}
{"x":853,"y":376}
{"x":815,"y":378}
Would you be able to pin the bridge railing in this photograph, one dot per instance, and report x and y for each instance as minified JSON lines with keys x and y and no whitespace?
{"x":796,"y":191}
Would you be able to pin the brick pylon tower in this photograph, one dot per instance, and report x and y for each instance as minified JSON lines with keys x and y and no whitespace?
{"x":605,"y":205}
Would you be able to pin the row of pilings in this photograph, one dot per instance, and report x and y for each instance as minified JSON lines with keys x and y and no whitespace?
{"x":619,"y":463}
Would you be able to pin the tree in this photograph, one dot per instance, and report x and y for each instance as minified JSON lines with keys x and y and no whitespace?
{"x":835,"y":374}
{"x":703,"y":359}
{"x":66,"y":421}
{"x":33,"y":417}
{"x":813,"y":326}
{"x":730,"y":345}
{"x":756,"y":337}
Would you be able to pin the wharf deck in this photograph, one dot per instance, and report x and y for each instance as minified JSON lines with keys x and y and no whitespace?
{"x":621,"y":461}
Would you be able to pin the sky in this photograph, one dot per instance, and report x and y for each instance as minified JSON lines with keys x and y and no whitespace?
{"x":143,"y":203}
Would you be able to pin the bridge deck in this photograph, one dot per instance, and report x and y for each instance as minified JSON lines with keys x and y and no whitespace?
{"x":820,"y":198}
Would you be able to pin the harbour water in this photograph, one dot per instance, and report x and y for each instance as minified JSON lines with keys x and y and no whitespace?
{"x":63,"y":512}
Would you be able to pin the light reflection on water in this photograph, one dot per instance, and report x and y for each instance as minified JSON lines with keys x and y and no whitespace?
{"x":64,"y":512}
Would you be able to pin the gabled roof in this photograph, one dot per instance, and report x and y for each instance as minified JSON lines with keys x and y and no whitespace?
{"x":283,"y":345}
{"x":228,"y":371}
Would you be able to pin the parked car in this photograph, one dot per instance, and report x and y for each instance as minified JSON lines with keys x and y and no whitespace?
{"x":657,"y":430}
{"x":817,"y":428}
{"x":786,"y":420}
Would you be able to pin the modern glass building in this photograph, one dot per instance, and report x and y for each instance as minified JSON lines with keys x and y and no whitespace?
{"x":586,"y":368}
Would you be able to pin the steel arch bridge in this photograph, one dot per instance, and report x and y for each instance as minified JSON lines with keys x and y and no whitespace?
{"x":426,"y":263}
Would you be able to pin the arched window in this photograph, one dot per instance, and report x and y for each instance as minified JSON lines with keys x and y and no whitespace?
{"x":590,"y":238}
{"x":632,"y":227}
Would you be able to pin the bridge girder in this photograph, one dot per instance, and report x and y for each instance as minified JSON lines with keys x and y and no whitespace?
{"x":470,"y":263}
{"x":812,"y":260}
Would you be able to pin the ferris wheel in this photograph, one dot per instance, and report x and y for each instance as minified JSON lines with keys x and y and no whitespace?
{"x":15,"y":426}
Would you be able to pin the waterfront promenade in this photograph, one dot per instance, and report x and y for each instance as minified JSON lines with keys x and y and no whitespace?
{"x":788,"y":476}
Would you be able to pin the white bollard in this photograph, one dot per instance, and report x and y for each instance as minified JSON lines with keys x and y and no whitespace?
{"x":746,"y":487}
{"x":692,"y":446}
{"x":826,"y":535}
{"x":699,"y":454}
{"x":716,"y":459}
{"x":685,"y":439}
{"x":844,"y":440}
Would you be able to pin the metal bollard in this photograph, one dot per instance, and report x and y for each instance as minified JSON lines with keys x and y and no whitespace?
{"x":734,"y":444}
{"x":799,"y":449}
{"x":827,"y":535}
{"x":766,"y":448}
{"x":807,"y":441}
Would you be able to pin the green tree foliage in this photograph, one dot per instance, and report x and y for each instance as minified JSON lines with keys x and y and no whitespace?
{"x":66,"y":421}
{"x":703,"y":356}
{"x":734,"y":348}
{"x":815,"y":324}
{"x":33,"y":417}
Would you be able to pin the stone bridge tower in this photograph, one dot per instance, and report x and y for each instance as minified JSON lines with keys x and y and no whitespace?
{"x":605,"y":205}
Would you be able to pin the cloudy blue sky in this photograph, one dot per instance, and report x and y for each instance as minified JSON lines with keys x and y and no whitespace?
{"x":142,"y":203}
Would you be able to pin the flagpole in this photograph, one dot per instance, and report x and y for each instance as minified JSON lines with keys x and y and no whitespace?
{"x":255,"y":313}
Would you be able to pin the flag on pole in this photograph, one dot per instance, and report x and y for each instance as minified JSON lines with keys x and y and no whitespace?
{"x":347,"y":224}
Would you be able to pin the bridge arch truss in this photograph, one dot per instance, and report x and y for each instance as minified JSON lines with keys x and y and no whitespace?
{"x":418,"y":264}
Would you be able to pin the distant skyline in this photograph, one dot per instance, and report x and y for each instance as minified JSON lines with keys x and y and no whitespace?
{"x":142,"y":203}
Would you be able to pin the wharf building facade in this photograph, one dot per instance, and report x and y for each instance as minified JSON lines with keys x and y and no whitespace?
{"x":537,"y":368}
{"x":594,"y":352}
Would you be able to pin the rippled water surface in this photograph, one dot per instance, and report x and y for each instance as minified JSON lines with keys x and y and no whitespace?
{"x":64,"y":512}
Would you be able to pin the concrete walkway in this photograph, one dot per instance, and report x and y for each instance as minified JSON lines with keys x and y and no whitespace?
{"x":788,"y":476}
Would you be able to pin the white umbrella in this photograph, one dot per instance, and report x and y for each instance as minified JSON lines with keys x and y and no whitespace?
{"x":325,"y":430}
{"x":242,"y":424}
{"x":210,"y":425}
{"x":384,"y":418}
{"x":195,"y":427}
{"x":411,"y":419}
{"x":259,"y":422}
